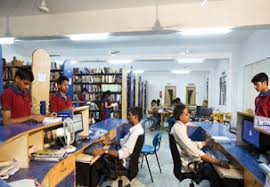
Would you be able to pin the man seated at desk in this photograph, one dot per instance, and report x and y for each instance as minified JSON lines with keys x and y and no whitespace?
{"x":127,"y":145}
{"x":60,"y":101}
{"x":191,"y":151}
{"x":16,"y":100}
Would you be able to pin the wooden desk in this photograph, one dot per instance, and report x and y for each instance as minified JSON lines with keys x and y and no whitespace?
{"x":163,"y":115}
{"x":47,"y":173}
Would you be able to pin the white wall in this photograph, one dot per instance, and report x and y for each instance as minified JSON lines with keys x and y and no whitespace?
{"x":214,"y":87}
{"x":255,"y":48}
{"x":158,"y":81}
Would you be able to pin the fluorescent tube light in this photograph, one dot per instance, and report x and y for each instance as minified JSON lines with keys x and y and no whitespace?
{"x":116,"y":62}
{"x":138,"y":71}
{"x":180,"y":71}
{"x":190,"y":60}
{"x":205,"y":31}
{"x":7,"y":40}
{"x":85,"y":37}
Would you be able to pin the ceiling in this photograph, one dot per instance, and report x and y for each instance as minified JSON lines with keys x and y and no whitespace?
{"x":30,"y":7}
{"x":158,"y":47}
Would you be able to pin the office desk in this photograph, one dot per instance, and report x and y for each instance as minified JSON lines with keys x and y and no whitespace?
{"x":48,"y":173}
{"x":253,"y":176}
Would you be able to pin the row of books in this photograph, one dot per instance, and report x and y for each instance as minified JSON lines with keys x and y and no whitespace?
{"x":89,"y":97}
{"x":96,"y":70}
{"x":111,"y":87}
{"x":86,"y":88}
{"x":98,"y":79}
{"x":54,"y":66}
{"x":54,"y":76}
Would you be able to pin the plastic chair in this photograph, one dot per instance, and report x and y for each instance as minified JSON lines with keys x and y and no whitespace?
{"x":152,"y":150}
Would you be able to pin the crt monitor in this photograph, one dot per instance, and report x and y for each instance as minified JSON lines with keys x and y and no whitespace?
{"x":77,"y":123}
{"x":249,"y":134}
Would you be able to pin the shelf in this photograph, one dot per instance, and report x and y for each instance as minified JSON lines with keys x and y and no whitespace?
{"x":56,"y":70}
{"x":8,"y":79}
{"x":96,"y":74}
{"x":97,"y":83}
{"x":23,"y":66}
{"x":98,"y":92}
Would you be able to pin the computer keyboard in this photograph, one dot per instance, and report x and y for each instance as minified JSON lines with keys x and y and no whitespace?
{"x":92,"y":147}
{"x":218,"y":155}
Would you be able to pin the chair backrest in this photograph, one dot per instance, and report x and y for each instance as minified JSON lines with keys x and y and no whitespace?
{"x":134,"y":158}
{"x":177,"y":164}
{"x":156,"y":141}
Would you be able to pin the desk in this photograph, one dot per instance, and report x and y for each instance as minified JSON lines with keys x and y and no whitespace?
{"x":47,"y":173}
{"x":253,"y":176}
{"x":163,"y":115}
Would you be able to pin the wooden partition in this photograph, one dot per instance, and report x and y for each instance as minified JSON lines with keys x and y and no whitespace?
{"x":41,"y":65}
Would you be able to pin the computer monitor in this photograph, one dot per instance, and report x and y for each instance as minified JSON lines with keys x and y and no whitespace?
{"x":203,"y":111}
{"x":77,"y":123}
{"x":256,"y":139}
{"x":249,"y":134}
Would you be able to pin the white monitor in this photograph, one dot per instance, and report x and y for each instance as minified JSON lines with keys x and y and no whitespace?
{"x":77,"y":123}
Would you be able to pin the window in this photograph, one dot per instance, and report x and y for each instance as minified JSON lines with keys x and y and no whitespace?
{"x":222,"y":88}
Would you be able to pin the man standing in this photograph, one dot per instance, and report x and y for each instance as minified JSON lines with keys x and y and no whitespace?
{"x":262,"y":101}
{"x":16,"y":99}
{"x":60,"y":101}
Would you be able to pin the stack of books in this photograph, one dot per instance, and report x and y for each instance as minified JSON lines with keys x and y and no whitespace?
{"x":50,"y":155}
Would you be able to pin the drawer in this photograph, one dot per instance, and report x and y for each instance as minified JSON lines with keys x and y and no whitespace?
{"x":61,"y":170}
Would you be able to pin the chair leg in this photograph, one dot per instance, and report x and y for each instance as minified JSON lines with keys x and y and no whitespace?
{"x":158,"y":162}
{"x":120,"y":182}
{"x":149,"y":168}
{"x":142,"y":161}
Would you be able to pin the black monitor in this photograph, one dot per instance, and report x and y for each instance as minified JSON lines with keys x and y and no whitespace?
{"x":77,"y":123}
{"x":203,"y":111}
{"x":253,"y":137}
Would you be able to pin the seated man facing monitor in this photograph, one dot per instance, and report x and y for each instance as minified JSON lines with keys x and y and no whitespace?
{"x":16,"y":100}
{"x":60,"y":101}
{"x":191,"y":151}
{"x":127,"y":145}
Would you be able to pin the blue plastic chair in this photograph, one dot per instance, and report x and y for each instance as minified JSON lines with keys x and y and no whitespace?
{"x":152,"y":150}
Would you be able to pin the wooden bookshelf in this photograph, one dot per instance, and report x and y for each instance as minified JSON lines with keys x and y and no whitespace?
{"x":91,"y":84}
{"x":9,"y":70}
{"x":55,"y":72}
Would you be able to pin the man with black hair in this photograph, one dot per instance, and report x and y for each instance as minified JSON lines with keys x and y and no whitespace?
{"x":127,"y":145}
{"x":262,"y":101}
{"x":60,"y":101}
{"x":191,"y":150}
{"x":16,"y":100}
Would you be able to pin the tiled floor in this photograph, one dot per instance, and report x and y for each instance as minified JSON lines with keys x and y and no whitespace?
{"x":164,"y":179}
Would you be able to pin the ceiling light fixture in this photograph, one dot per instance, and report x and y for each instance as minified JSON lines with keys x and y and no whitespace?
{"x":85,"y":37}
{"x":117,"y":62}
{"x":205,"y":31}
{"x":190,"y":60}
{"x":7,"y":40}
{"x":138,"y":71}
{"x":180,"y":71}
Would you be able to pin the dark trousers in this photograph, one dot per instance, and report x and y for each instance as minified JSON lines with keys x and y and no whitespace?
{"x":90,"y":175}
{"x":207,"y":171}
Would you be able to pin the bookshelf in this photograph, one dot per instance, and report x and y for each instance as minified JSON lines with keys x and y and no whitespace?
{"x":9,"y":70}
{"x":91,"y":84}
{"x":55,"y":72}
{"x":145,"y":97}
{"x":130,"y":89}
